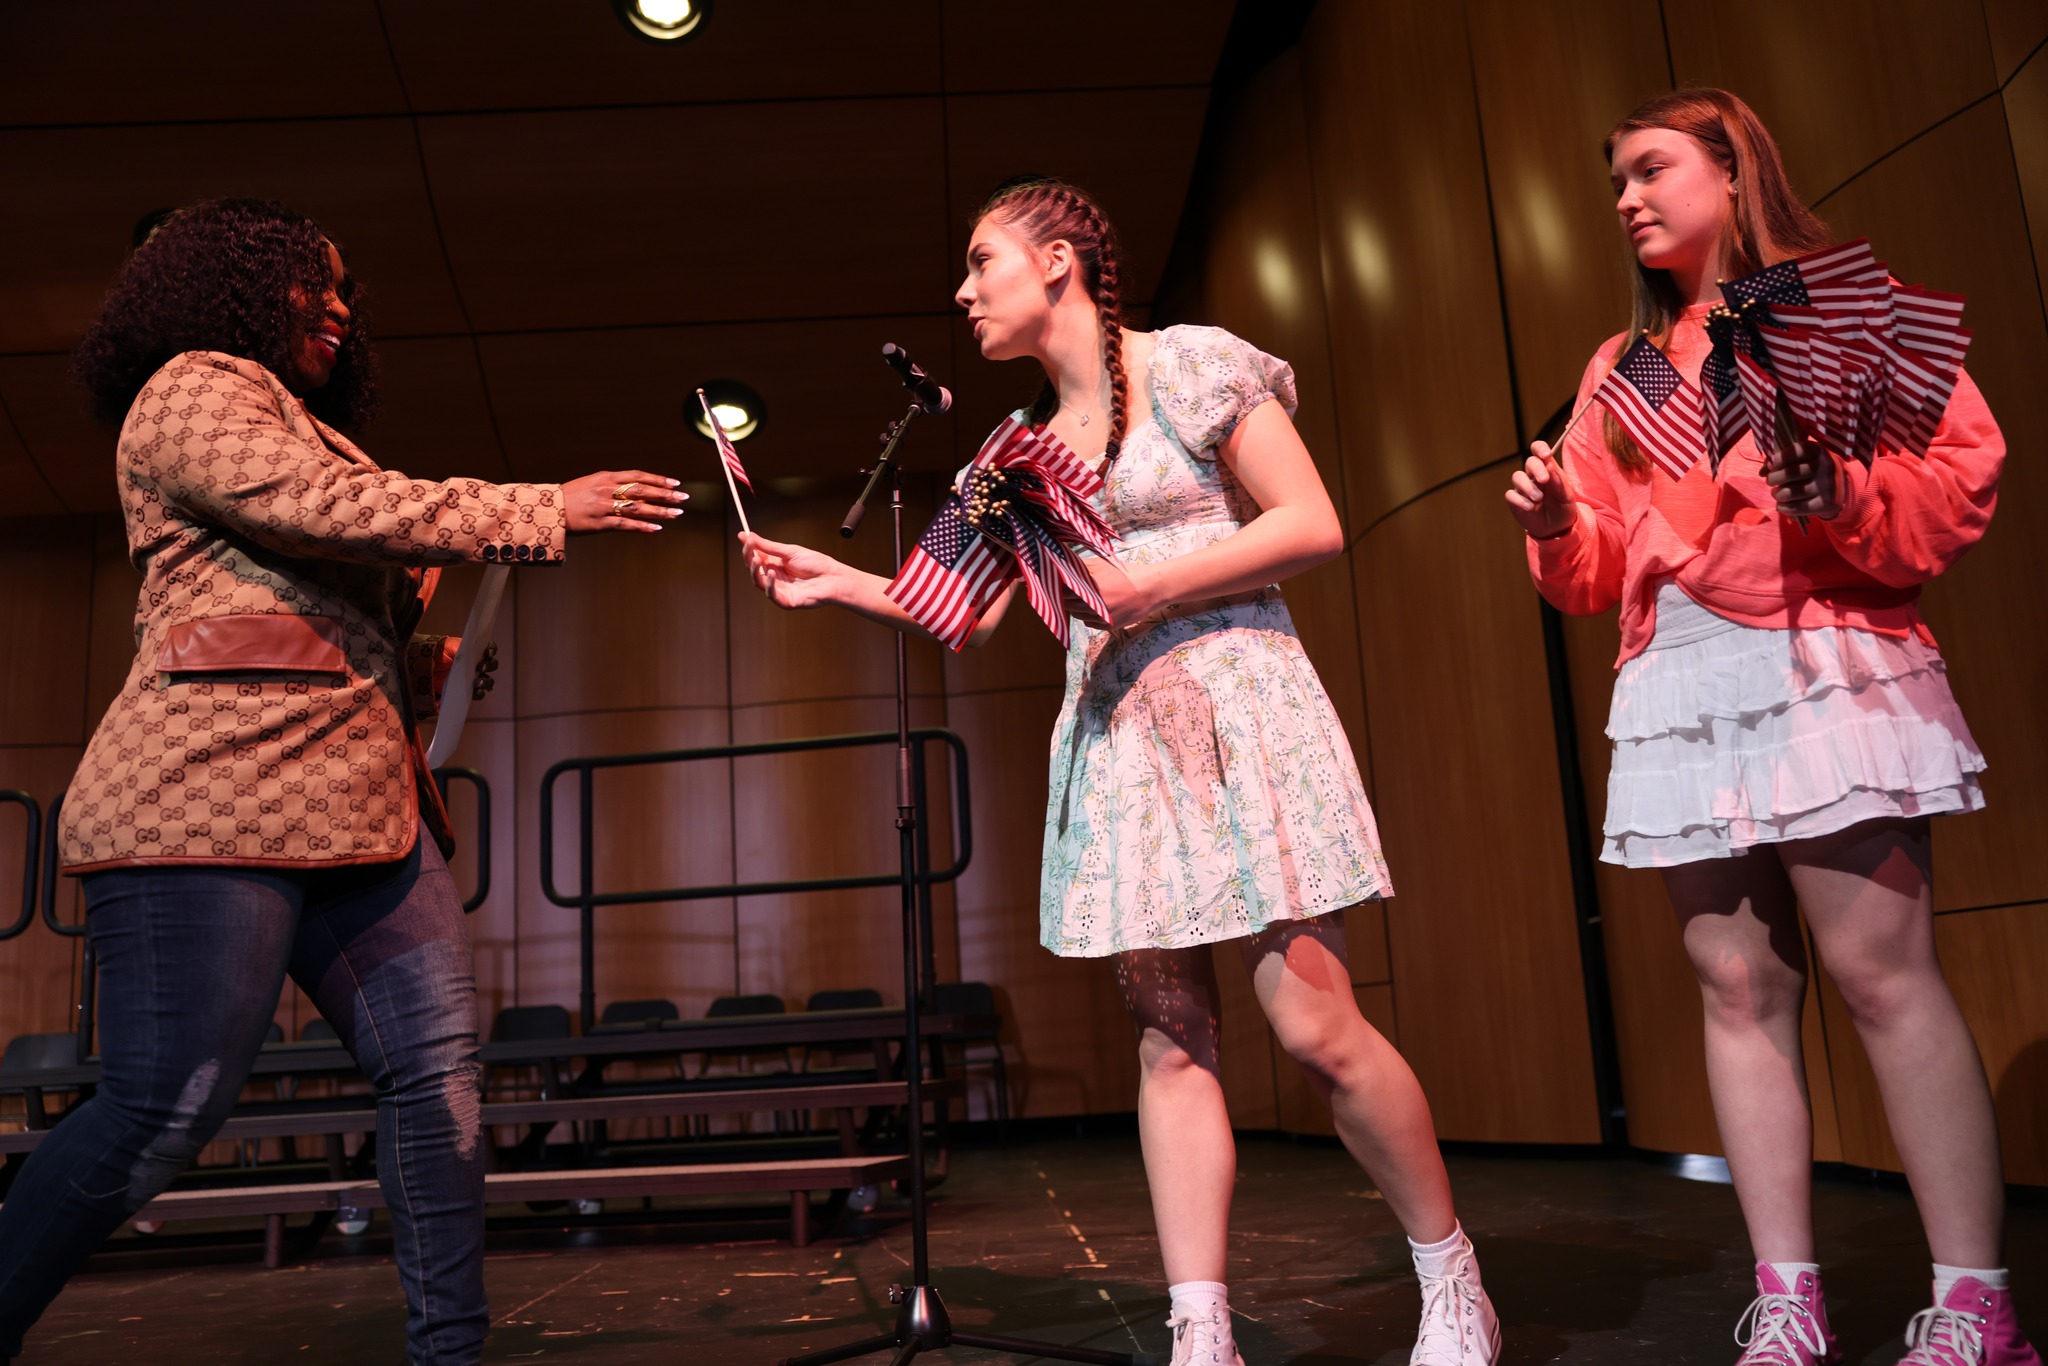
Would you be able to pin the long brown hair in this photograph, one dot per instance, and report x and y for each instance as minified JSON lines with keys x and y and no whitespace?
{"x":1041,"y":209}
{"x":1767,"y":223}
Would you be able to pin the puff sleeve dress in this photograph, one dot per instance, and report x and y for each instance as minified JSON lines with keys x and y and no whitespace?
{"x":1201,"y":786}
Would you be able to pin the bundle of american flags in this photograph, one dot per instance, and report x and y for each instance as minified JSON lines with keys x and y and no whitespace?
{"x":1017,"y":512}
{"x":1857,"y":359}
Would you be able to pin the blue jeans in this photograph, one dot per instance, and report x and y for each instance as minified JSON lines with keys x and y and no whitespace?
{"x":191,"y":963}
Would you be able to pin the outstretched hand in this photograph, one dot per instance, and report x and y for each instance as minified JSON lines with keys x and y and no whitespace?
{"x":622,"y":500}
{"x":1540,"y":495}
{"x":792,"y":576}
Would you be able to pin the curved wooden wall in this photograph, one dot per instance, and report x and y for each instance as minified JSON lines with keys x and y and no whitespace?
{"x":1409,"y":204}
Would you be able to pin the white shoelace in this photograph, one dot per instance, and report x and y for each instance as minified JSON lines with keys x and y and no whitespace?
{"x":1781,"y":1331}
{"x":1450,"y":1317}
{"x":1202,"y":1340}
{"x":1944,"y":1337}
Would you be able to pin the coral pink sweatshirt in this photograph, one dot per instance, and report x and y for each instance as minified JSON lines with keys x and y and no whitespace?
{"x":1903,"y":521}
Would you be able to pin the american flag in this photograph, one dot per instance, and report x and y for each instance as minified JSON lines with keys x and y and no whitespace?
{"x":1020,"y":505}
{"x":1726,"y":413}
{"x":726,"y":453}
{"x":951,"y":577}
{"x":1653,"y":402}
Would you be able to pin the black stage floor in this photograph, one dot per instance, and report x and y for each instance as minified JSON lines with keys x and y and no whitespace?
{"x":1590,"y":1259}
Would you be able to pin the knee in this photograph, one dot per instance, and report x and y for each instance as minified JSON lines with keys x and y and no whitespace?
{"x":1324,"y":1046}
{"x":1747,"y":991}
{"x":1878,"y":995}
{"x":179,"y":1133}
{"x":1165,"y":1057}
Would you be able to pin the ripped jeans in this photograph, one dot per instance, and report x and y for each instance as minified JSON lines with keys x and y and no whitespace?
{"x":191,"y":962}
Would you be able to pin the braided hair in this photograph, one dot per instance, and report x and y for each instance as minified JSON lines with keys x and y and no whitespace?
{"x":1041,"y":209}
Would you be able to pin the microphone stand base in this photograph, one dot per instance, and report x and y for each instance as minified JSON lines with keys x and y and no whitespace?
{"x":923,"y":1326}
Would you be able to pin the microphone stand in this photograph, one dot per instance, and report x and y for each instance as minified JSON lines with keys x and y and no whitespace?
{"x":922,"y":1324}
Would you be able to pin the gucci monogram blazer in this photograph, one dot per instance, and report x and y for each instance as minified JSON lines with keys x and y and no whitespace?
{"x":269,"y":716}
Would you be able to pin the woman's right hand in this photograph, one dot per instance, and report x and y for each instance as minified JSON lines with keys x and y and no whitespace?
{"x":622,"y":500}
{"x":1540,"y":495}
{"x":793,"y":575}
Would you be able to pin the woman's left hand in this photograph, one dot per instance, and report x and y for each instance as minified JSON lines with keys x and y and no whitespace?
{"x":1131,"y":593}
{"x":1803,"y":481}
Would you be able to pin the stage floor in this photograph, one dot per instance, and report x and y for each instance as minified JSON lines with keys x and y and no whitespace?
{"x":1591,"y":1260}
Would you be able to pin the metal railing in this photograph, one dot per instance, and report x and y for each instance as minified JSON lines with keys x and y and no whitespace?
{"x":586,"y":900}
{"x":12,"y":797}
{"x":483,"y":826}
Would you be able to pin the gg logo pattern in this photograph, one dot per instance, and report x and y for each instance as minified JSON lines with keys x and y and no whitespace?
{"x":238,"y":502}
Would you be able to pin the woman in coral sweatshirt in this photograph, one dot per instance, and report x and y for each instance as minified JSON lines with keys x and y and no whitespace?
{"x":1783,"y":728}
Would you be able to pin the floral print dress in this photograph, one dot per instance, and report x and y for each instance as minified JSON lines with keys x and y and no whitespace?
{"x":1202,"y":787}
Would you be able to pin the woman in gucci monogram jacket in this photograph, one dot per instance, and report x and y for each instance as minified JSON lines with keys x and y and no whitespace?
{"x":251,"y":805}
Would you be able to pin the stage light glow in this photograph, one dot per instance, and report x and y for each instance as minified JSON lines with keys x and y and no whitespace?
{"x":739,"y":409}
{"x":662,"y":21}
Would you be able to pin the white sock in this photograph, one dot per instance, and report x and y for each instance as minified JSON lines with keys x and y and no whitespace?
{"x":1201,"y":1300}
{"x":1434,"y":1259}
{"x":1788,"y":1272}
{"x":1945,"y":1278}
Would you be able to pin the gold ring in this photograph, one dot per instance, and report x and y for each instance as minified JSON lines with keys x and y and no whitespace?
{"x":625,"y":489}
{"x":621,"y":505}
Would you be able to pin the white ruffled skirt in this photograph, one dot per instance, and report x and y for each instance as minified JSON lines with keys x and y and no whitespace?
{"x":1727,"y":736}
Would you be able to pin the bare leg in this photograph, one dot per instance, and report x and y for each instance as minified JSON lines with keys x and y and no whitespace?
{"x":1740,"y":924}
{"x":1299,"y":972}
{"x":1867,"y":896}
{"x":1183,"y":1127}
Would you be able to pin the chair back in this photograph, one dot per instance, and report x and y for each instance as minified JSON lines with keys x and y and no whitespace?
{"x":845,"y":998}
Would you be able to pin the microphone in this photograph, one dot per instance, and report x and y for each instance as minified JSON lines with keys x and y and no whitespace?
{"x":931,"y":395}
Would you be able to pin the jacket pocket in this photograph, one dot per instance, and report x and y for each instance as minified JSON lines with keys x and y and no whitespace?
{"x":244,"y":643}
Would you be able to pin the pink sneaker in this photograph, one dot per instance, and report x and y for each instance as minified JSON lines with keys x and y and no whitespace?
{"x":1975,"y":1326}
{"x":1785,"y":1327}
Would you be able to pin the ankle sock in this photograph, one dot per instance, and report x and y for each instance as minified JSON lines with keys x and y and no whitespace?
{"x":1434,"y":1259}
{"x":1788,"y":1272}
{"x":1200,"y":1299}
{"x":1945,"y":1278}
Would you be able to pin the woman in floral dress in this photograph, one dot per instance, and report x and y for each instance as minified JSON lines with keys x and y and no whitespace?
{"x":1201,"y":788}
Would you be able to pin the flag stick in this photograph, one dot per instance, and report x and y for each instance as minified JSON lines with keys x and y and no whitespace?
{"x":738,"y":506}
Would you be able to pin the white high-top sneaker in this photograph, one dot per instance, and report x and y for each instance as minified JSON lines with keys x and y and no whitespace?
{"x":1204,"y":1339}
{"x":1459,"y":1327}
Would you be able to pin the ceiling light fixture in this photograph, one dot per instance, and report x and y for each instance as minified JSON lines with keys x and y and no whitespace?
{"x":662,"y":21}
{"x":739,"y":409}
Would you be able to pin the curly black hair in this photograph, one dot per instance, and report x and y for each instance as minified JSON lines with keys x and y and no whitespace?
{"x":243,"y":276}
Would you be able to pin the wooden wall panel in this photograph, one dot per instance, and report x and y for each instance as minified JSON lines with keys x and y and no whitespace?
{"x":1563,"y":261}
{"x":1988,"y":613}
{"x":2017,"y":28}
{"x":1995,"y":961}
{"x":359,"y":177}
{"x":116,"y":584}
{"x":25,"y":491}
{"x":783,"y":656}
{"x":433,"y":416}
{"x":1824,"y":58}
{"x":627,"y":621}
{"x":2026,"y":119}
{"x":641,"y":172}
{"x":1415,"y":324}
{"x":37,"y":968}
{"x":825,"y":814}
{"x":1078,"y":1051}
{"x":45,"y":626}
{"x":74,"y":455}
{"x":1250,"y":1062}
{"x":658,"y":827}
{"x":1485,"y":953}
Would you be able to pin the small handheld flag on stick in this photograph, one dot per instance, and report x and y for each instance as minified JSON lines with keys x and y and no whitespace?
{"x":1653,"y":402}
{"x":729,"y":458}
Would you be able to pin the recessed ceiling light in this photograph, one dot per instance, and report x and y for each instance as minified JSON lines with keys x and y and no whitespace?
{"x":739,"y":409}
{"x":662,"y":21}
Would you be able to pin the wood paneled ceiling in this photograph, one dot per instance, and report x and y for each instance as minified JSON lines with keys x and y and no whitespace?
{"x":563,"y":227}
